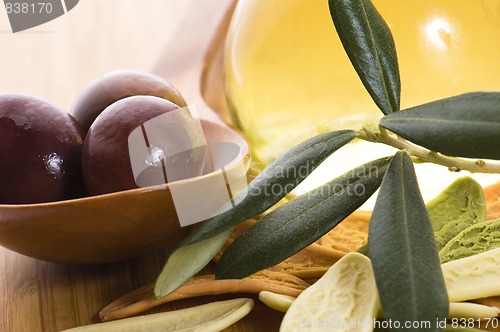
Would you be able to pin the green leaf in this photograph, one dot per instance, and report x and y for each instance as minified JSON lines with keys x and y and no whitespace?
{"x":186,"y":261}
{"x":457,"y":207}
{"x":403,"y":251}
{"x":279,"y":178}
{"x":467,"y":125}
{"x":369,"y":44}
{"x":298,"y":223}
{"x":274,"y":182}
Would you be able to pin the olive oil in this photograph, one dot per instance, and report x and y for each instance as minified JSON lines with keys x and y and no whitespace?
{"x":287,"y":76}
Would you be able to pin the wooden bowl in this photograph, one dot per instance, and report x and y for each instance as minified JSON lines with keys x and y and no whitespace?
{"x":105,"y":228}
{"x":132,"y":223}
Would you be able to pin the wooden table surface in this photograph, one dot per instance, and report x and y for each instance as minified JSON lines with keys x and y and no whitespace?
{"x":49,"y":297}
{"x":56,"y":61}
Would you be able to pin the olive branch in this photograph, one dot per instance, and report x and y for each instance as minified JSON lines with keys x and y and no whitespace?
{"x":459,"y":132}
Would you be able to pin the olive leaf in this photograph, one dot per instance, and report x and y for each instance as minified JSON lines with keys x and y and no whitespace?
{"x":196,"y":251}
{"x":403,"y":250}
{"x":369,"y":45}
{"x":275,"y":182}
{"x":298,"y":223}
{"x":467,"y":125}
{"x":458,"y":206}
{"x":186,"y":261}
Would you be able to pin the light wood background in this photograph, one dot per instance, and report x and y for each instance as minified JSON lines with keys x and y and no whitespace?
{"x":55,"y":61}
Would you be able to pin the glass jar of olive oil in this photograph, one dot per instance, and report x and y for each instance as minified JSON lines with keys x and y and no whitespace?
{"x":287,"y":76}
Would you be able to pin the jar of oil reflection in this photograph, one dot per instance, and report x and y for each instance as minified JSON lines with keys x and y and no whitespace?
{"x":287,"y":77}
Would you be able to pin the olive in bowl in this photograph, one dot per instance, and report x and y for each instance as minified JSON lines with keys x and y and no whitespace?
{"x":142,"y":141}
{"x":117,"y":85}
{"x":40,"y":151}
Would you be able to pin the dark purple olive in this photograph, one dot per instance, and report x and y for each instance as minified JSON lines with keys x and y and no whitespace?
{"x":117,"y":85}
{"x":40,"y":151}
{"x":129,"y":145}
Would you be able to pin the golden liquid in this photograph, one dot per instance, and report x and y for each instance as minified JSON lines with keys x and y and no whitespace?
{"x":288,"y":77}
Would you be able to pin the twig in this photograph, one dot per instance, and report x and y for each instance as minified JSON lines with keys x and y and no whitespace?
{"x":454,"y":164}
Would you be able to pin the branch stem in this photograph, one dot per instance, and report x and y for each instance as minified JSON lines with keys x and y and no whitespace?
{"x":454,"y":164}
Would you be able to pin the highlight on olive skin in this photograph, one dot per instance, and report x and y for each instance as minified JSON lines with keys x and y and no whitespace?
{"x":40,"y":151}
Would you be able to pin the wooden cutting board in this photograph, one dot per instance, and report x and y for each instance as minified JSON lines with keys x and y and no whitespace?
{"x":38,"y":296}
